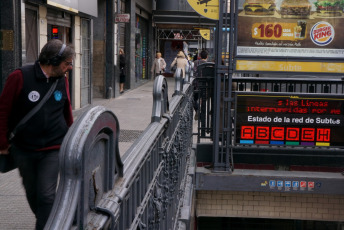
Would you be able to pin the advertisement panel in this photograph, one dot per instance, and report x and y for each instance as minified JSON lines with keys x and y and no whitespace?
{"x":304,"y":120}
{"x":291,"y":28}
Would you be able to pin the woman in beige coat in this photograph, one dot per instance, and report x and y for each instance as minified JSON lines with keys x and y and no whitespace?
{"x":159,"y":65}
{"x":180,"y":61}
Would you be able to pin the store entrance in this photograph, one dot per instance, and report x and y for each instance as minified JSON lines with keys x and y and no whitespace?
{"x":225,"y":223}
{"x":189,"y":40}
{"x":65,"y":35}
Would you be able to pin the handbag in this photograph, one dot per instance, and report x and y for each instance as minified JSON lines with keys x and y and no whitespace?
{"x":174,"y":67}
{"x":6,"y":160}
{"x":122,"y":74}
{"x":6,"y":163}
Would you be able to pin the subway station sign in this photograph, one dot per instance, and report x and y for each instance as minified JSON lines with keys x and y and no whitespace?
{"x":289,"y":120}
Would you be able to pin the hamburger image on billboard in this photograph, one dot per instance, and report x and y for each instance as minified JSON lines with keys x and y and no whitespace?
{"x":295,"y":9}
{"x":329,"y":8}
{"x":259,"y":7}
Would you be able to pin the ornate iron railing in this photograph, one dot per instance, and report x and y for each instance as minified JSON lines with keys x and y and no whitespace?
{"x":151,"y":189}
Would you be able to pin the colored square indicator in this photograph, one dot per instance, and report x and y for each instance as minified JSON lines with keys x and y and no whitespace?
{"x":296,"y":184}
{"x":272,"y":183}
{"x":303,"y":184}
{"x":246,"y":142}
{"x":310,"y":184}
{"x":279,"y":183}
{"x":288,"y":184}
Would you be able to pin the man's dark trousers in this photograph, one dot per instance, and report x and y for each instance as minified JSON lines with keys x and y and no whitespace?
{"x":39,"y":170}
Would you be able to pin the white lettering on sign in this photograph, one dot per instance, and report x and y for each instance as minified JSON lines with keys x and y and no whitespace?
{"x":122,"y":18}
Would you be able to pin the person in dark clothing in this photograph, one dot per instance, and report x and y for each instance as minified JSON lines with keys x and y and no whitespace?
{"x":204,"y":59}
{"x":35,"y":147}
{"x":122,"y":70}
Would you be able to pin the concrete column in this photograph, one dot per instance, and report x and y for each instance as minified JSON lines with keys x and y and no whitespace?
{"x":109,"y":51}
{"x":151,"y":47}
{"x":98,"y":52}
{"x":11,"y":46}
{"x":130,"y":33}
{"x":43,"y":26}
{"x":77,"y":64}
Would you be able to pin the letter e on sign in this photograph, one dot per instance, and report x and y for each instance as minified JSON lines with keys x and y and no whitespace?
{"x":308,"y":134}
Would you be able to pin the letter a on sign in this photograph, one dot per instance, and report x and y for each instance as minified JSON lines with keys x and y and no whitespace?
{"x":206,"y":8}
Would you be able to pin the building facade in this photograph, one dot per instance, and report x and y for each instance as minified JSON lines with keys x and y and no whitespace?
{"x":90,"y":26}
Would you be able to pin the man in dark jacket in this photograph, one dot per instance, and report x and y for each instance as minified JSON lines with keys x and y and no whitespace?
{"x":36,"y":145}
{"x":204,"y":59}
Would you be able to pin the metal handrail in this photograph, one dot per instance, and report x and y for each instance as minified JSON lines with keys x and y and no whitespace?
{"x":98,"y":191}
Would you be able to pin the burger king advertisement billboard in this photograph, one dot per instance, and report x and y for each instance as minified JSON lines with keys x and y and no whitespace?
{"x":309,"y":29}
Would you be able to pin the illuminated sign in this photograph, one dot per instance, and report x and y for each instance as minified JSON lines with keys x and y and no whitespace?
{"x":290,"y":66}
{"x":286,"y":120}
{"x":55,"y":32}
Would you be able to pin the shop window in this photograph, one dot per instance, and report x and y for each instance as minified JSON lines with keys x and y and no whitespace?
{"x":31,"y":36}
{"x":141,"y":49}
{"x":85,"y":81}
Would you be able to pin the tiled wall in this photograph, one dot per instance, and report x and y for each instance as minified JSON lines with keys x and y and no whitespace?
{"x":270,"y":205}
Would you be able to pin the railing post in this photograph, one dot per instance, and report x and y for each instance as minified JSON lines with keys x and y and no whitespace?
{"x":178,"y":88}
{"x":89,"y":165}
{"x":188,"y":72}
{"x":160,"y":98}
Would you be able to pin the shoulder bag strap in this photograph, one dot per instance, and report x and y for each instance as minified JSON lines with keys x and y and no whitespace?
{"x":34,"y":110}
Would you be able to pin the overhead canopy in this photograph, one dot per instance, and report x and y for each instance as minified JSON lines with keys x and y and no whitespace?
{"x":84,"y":6}
{"x":182,"y":17}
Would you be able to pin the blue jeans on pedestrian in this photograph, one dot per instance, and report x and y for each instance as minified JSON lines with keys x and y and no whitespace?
{"x":39,"y":171}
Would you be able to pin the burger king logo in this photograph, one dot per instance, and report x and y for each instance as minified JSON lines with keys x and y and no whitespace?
{"x":322,"y":33}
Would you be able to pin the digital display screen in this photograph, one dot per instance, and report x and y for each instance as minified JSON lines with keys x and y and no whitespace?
{"x":307,"y":120}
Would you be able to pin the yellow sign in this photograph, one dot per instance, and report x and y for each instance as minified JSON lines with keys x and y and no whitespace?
{"x":205,"y":34}
{"x":6,"y":40}
{"x":278,"y":31}
{"x":290,"y":66}
{"x":206,"y":8}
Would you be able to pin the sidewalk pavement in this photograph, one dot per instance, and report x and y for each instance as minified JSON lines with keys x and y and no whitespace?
{"x":133,"y":110}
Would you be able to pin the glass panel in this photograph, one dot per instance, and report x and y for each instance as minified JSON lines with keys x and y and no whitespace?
{"x":85,"y":81}
{"x":31,"y":36}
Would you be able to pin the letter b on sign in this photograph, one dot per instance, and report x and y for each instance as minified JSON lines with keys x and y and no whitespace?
{"x":262,"y":133}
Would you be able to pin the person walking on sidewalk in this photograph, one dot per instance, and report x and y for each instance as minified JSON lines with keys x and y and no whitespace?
{"x":35,"y":147}
{"x":122,"y":71}
{"x":181,"y":61}
{"x":159,"y":65}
